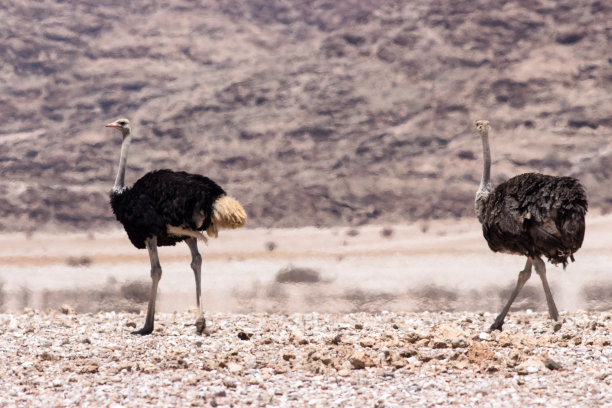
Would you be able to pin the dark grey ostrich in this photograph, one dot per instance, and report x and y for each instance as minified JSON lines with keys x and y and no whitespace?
{"x":165,"y":207}
{"x":533,"y":215}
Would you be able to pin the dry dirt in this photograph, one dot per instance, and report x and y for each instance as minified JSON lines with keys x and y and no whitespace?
{"x":435,"y":266}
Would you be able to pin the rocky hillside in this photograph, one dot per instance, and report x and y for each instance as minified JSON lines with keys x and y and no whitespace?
{"x":319,"y":112}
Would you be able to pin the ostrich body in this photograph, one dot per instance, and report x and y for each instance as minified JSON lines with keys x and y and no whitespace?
{"x":165,"y":207}
{"x":533,"y":215}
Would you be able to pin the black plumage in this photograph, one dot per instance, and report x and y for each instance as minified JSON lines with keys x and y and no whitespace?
{"x":165,"y":207}
{"x":533,"y":215}
{"x":536,"y":215}
{"x":161,"y":198}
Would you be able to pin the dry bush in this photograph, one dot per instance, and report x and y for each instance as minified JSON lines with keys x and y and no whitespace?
{"x":79,"y":261}
{"x":136,"y":291}
{"x":597,"y":295}
{"x":352,"y":232}
{"x":434,"y":298}
{"x":367,"y":301}
{"x":2,"y":296}
{"x":127,"y":297}
{"x":387,"y":232}
{"x":294,"y":274}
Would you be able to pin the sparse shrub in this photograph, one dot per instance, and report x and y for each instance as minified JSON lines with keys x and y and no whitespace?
{"x":136,"y":291}
{"x":597,"y":295}
{"x":367,"y":300}
{"x":352,"y":232}
{"x":293,"y":274}
{"x":2,"y":296}
{"x":24,"y":297}
{"x":531,"y":297}
{"x":433,"y":297}
{"x":424,"y":227}
{"x":387,"y":232}
{"x":79,"y":261}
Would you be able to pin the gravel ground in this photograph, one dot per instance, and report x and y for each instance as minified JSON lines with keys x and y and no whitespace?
{"x":59,"y":358}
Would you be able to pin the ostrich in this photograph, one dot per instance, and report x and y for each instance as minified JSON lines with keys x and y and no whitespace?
{"x":533,"y":215}
{"x":165,"y":207}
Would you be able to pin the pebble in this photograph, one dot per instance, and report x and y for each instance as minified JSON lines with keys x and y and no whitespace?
{"x":402,"y":359}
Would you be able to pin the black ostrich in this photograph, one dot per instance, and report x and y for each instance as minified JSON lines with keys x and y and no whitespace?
{"x":165,"y":207}
{"x":533,"y":215}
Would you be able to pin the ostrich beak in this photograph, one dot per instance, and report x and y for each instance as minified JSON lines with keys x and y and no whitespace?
{"x":112,"y":125}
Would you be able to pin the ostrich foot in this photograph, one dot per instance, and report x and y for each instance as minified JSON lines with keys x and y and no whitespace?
{"x":144,"y":331}
{"x":497,"y":325}
{"x":200,"y":325}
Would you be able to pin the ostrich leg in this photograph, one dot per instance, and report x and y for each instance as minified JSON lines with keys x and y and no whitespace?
{"x":196,"y":265}
{"x":156,"y":273}
{"x":540,"y":268}
{"x":522,"y":278}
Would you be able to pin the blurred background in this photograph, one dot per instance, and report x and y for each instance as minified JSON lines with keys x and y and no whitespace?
{"x":345,"y":127}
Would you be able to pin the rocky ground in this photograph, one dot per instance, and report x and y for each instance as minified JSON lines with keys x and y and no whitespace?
{"x":59,"y":358}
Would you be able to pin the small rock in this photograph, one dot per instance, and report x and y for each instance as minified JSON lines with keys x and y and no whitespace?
{"x":336,"y":340}
{"x":229,"y":383}
{"x":244,"y":336}
{"x":552,"y":364}
{"x":280,"y":369}
{"x":89,"y":369}
{"x":360,"y":360}
{"x":46,"y":356}
{"x":297,"y":337}
{"x":407,"y":352}
{"x":234,"y":368}
{"x":288,"y":356}
{"x":437,"y":343}
{"x":208,"y":365}
{"x":530,"y":366}
{"x":367,"y":342}
{"x":413,"y":337}
{"x":67,"y":309}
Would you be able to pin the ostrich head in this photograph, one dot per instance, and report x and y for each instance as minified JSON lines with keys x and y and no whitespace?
{"x":482,"y":126}
{"x":122,"y":125}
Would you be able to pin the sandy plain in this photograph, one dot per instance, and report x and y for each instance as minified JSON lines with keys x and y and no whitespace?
{"x":397,"y":316}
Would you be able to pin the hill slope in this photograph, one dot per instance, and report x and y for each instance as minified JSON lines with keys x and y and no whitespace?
{"x":310,"y":112}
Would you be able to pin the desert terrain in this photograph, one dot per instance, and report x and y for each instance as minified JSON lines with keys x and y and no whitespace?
{"x":346,"y":129}
{"x":372,"y":316}
{"x":434,"y":266}
{"x":308,"y":359}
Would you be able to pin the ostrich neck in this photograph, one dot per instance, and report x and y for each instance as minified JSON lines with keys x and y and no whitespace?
{"x":485,"y":182}
{"x":120,"y":179}
{"x":482,"y":195}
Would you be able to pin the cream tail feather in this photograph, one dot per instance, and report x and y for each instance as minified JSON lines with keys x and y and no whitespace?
{"x":227,"y":213}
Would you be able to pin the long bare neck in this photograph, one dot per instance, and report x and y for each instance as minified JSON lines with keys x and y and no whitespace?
{"x":485,"y":182}
{"x":120,"y":179}
{"x":482,"y":195}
